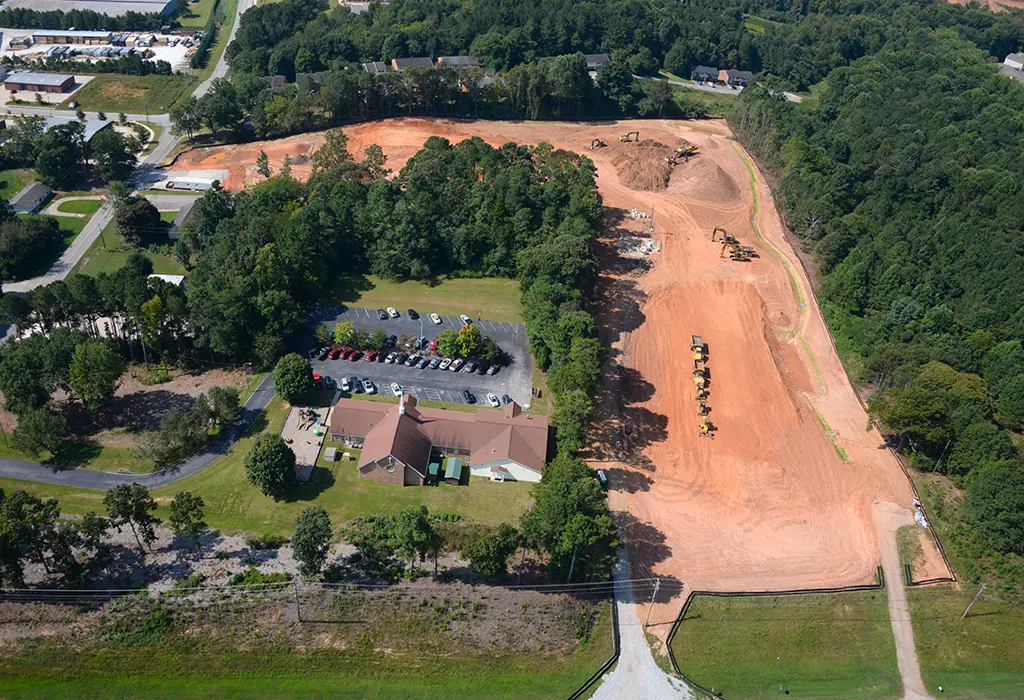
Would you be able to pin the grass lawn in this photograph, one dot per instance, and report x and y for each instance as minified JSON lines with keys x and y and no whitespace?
{"x":99,"y":259}
{"x":826,"y":645}
{"x":132,"y":94}
{"x":200,"y":12}
{"x":492,"y":299}
{"x":94,"y":456}
{"x":979,"y":657}
{"x":11,"y":181}
{"x":80,"y":206}
{"x":386,"y":398}
{"x":226,"y":15}
{"x":182,"y":665}
{"x":157,"y":131}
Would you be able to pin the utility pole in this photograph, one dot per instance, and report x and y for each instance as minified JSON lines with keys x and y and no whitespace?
{"x":573,"y":564}
{"x":654,"y":595}
{"x":980,"y":591}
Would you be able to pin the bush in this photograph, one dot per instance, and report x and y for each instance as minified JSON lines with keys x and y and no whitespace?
{"x":254,"y":577}
{"x":265,"y":542}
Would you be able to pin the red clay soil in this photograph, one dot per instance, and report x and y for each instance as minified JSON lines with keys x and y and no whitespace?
{"x":768,"y":503}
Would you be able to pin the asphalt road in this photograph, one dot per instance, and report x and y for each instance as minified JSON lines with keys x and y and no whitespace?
{"x":436,"y":384}
{"x":91,"y":479}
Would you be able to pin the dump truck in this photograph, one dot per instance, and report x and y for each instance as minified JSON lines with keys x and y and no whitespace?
{"x":697,"y":347}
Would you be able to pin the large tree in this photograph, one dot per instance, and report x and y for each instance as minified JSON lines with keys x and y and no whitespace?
{"x":312,"y":540}
{"x":94,"y":372}
{"x":293,"y":377}
{"x":113,"y":154}
{"x":186,"y":516}
{"x":270,"y":465}
{"x":131,"y":505}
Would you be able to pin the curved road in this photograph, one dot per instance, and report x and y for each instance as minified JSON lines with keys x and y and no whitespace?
{"x":91,"y":479}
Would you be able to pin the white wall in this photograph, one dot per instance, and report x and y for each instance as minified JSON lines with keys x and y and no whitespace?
{"x":514,"y":471}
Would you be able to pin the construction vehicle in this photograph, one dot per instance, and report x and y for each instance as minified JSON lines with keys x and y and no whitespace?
{"x":686,"y":151}
{"x":748,"y":251}
{"x":702,"y":407}
{"x":697,"y":348}
{"x":699,"y":373}
{"x":726,"y":236}
{"x":626,"y":138}
{"x":736,"y":252}
{"x":705,"y":427}
{"x":597,"y":143}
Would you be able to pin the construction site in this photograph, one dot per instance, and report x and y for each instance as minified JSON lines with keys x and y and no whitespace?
{"x":726,"y":422}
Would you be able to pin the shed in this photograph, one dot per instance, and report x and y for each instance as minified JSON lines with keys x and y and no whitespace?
{"x":596,"y":60}
{"x":458,"y":62}
{"x":331,"y":454}
{"x":453,"y":471}
{"x":30,"y":198}
{"x":433,"y":471}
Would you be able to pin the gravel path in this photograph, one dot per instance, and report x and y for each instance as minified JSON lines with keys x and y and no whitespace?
{"x":636,"y":676}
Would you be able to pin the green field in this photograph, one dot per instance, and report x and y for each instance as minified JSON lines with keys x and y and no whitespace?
{"x":493,"y":299}
{"x":90,"y":456}
{"x":227,"y":13}
{"x":157,"y":131}
{"x":132,"y":94}
{"x":981,"y":656}
{"x":11,"y":181}
{"x":183,"y":665}
{"x":200,"y":12}
{"x":233,"y":505}
{"x":99,"y":259}
{"x":810,"y":646}
{"x":80,"y":206}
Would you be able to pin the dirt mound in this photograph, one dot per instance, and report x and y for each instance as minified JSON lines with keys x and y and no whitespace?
{"x":642,"y":166}
{"x":702,"y":178}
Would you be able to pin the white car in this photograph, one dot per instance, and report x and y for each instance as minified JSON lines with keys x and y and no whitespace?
{"x":435,"y":318}
{"x":390,"y":359}
{"x":345,"y":386}
{"x":444,"y":363}
{"x":466,"y":320}
{"x":392,"y":312}
{"x":456,"y":365}
{"x":493,"y":400}
{"x":369,"y":387}
{"x":395,"y":389}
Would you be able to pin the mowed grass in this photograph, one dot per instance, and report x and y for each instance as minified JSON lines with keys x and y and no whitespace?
{"x":80,"y":206}
{"x":230,"y":668}
{"x":91,"y":456}
{"x":490,"y":298}
{"x":71,"y":226}
{"x":99,"y":259}
{"x":227,"y":13}
{"x":810,"y":646}
{"x":13,"y":180}
{"x":199,"y":14}
{"x":234,"y":505}
{"x":132,"y":94}
{"x":981,"y":656}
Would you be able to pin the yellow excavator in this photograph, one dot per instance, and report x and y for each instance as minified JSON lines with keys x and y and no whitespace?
{"x":705,"y":427}
{"x":726,"y":236}
{"x":686,"y":151}
{"x":597,"y":143}
{"x":630,"y":136}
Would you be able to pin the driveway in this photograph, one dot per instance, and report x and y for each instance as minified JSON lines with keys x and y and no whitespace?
{"x":434,"y":385}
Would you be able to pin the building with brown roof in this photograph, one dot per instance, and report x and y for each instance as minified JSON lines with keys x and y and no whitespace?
{"x":397,"y":441}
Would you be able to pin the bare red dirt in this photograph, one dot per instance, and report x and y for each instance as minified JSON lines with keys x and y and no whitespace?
{"x":768,"y":503}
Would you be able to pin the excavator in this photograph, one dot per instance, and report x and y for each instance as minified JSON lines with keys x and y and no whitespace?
{"x":726,"y":236}
{"x":705,"y":427}
{"x":736,"y":251}
{"x":631,"y":136}
{"x":686,"y":151}
{"x":597,"y":143}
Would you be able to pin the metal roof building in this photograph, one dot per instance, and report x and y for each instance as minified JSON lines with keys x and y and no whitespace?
{"x":114,"y":8}
{"x":39,"y":82}
{"x":92,"y":126}
{"x":30,"y":198}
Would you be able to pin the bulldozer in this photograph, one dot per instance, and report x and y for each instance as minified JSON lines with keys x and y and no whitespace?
{"x":597,"y":143}
{"x":705,"y":427}
{"x":630,"y":136}
{"x":697,"y":348}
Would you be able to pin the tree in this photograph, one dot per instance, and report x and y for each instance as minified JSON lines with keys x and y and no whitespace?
{"x":186,"y":118}
{"x":225,"y":402}
{"x":114,"y":155}
{"x":375,"y":162}
{"x":138,"y":221}
{"x":322,"y":335}
{"x":994,"y":505}
{"x":186,"y":516}
{"x":122,"y":118}
{"x":293,"y":377}
{"x":61,"y":150}
{"x":488,"y":550}
{"x":263,"y":164}
{"x":448,"y":343}
{"x":270,"y":465}
{"x":332,"y":153}
{"x":377,"y":339}
{"x":40,"y":430}
{"x":469,"y":340}
{"x":131,"y":505}
{"x":94,"y":372}
{"x":371,"y":536}
{"x":218,"y":108}
{"x":312,"y":540}
{"x":27,"y":527}
{"x":286,"y":166}
{"x":344,"y":333}
{"x":977,"y":444}
{"x":412,"y":534}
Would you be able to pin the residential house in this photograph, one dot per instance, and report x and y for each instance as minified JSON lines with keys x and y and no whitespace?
{"x":400,"y":64}
{"x":703,"y":73}
{"x":180,"y":219}
{"x":458,"y":62}
{"x":275,"y":81}
{"x":596,"y":60}
{"x":376,"y":67}
{"x":30,"y":198}
{"x":741,"y":78}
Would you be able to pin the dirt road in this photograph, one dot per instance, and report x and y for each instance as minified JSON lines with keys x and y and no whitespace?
{"x":781,"y":497}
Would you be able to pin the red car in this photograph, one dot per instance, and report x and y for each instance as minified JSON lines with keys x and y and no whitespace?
{"x":370,"y":356}
{"x":334,"y":354}
{"x":433,"y":344}
{"x":345,"y":352}
{"x":356,"y":354}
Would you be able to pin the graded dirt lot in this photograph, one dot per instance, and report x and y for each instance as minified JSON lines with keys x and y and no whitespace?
{"x":781,"y":496}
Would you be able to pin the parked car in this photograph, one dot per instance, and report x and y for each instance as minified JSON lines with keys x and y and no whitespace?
{"x":424,"y":362}
{"x":369,"y":387}
{"x":390,"y":359}
{"x":356,"y":386}
{"x":396,"y":389}
{"x":382,"y":314}
{"x":345,"y":352}
{"x":494,"y":369}
{"x":418,"y":345}
{"x":345,"y":386}
{"x":313,"y":353}
{"x":493,"y":400}
{"x":602,"y":478}
{"x":466,"y":320}
{"x":412,"y":361}
{"x":424,"y":342}
{"x":400,"y":358}
{"x":381,"y":355}
{"x":433,"y":345}
{"x":392,"y":341}
{"x":456,"y":365}
{"x":371,"y":356}
{"x":392,"y":312}
{"x":435,"y":318}
{"x":356,"y":354}
{"x":470,"y":367}
{"x":506,"y":399}
{"x":334,"y":354}
{"x":445,"y":363}
{"x":435,"y":362}
{"x":482,"y":369}
{"x":413,"y":316}
{"x":324,"y":354}
{"x":468,"y":397}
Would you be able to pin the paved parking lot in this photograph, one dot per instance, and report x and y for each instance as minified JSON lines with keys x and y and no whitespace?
{"x":433,"y":384}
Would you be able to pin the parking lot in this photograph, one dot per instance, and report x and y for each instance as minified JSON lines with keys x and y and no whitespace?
{"x":432,"y":384}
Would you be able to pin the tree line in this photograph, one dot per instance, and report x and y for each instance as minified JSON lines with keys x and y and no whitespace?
{"x":125,"y":65}
{"x":904,"y":183}
{"x":131,"y":21}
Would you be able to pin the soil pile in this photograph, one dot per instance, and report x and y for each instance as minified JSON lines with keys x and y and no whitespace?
{"x":642,"y":166}
{"x":702,"y":178}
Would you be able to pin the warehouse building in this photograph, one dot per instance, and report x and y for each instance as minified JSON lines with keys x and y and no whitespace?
{"x":70,"y":36}
{"x":39,"y":82}
{"x":113,"y":8}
